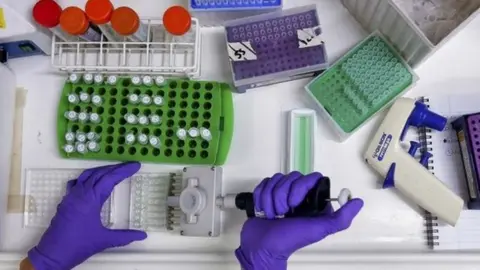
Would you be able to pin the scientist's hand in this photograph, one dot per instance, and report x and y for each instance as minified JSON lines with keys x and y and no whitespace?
{"x":267,"y":243}
{"x":76,"y":232}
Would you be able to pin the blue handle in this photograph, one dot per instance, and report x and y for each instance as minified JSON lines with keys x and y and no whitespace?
{"x":422,"y":117}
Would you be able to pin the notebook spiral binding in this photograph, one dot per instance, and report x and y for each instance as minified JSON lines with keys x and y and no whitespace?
{"x":431,"y":221}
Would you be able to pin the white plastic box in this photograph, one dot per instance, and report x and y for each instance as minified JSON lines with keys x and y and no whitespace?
{"x":401,"y":31}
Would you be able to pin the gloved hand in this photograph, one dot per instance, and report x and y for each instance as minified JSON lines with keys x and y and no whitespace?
{"x":267,"y":243}
{"x":76,"y":232}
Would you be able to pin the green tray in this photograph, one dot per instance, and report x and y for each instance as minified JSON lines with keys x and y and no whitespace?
{"x":186,"y":104}
{"x":361,"y":83}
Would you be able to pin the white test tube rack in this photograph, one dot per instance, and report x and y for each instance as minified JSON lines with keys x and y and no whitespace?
{"x":164,"y":54}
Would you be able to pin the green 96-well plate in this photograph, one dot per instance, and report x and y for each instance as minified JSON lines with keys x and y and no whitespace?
{"x":186,"y":104}
{"x":361,"y":83}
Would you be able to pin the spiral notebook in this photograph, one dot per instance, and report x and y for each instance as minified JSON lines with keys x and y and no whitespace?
{"x":447,"y":165}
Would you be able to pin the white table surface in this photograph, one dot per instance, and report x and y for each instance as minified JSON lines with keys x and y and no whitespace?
{"x":388,"y":231}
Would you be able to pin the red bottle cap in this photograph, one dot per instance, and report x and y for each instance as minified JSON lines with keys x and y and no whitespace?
{"x":47,"y":13}
{"x":177,"y":20}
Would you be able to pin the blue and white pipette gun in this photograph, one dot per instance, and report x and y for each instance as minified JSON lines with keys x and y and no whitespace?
{"x":402,"y":170}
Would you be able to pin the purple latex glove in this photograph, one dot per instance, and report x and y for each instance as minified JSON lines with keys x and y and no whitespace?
{"x":267,"y":243}
{"x":76,"y":232}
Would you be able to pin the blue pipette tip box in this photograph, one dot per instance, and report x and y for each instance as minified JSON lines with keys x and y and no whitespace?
{"x":234,"y":4}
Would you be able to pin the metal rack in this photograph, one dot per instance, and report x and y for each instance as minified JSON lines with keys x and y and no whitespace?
{"x":164,"y":54}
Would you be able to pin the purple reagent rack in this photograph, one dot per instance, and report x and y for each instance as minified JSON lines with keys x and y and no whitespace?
{"x":275,"y":47}
{"x":467,"y":128}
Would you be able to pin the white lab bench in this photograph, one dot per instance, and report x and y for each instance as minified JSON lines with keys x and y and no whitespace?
{"x":389,"y":231}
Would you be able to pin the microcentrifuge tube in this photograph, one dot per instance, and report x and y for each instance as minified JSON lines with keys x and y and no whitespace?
{"x":71,"y":115}
{"x":143,"y":120}
{"x":88,"y":78}
{"x":142,"y":139}
{"x":93,"y":136}
{"x":160,"y":81}
{"x":81,"y":148}
{"x":95,"y":118}
{"x":147,"y":80}
{"x":70,"y":137}
{"x":112,"y":79}
{"x":155,"y":141}
{"x":93,"y":146}
{"x":97,"y":100}
{"x":145,"y":99}
{"x":83,"y":117}
{"x":84,"y":97}
{"x":193,"y":132}
{"x":158,"y":100}
{"x":131,"y":118}
{"x":205,"y":134}
{"x":98,"y":78}
{"x":81,"y":136}
{"x":68,"y":148}
{"x":155,"y":119}
{"x":181,"y":134}
{"x":73,"y":98}
{"x":134,"y":99}
{"x":136,"y":80}
{"x":130,"y":138}
{"x":73,"y":78}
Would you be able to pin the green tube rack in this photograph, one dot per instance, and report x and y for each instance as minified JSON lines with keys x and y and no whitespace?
{"x":186,"y":104}
{"x":360,"y":84}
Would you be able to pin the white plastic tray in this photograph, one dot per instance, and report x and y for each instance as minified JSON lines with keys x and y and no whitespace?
{"x":387,"y":233}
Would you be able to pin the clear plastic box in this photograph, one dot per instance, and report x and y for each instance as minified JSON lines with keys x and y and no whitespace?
{"x":275,"y":47}
{"x":216,"y":12}
{"x":398,"y":22}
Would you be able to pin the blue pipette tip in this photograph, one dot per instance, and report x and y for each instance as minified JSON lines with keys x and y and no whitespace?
{"x":413,"y":148}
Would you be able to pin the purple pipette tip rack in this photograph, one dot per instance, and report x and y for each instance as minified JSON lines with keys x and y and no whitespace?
{"x":276,"y":45}
{"x":473,"y":123}
{"x":468,"y":133}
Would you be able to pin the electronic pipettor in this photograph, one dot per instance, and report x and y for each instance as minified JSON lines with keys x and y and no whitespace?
{"x":195,"y":202}
{"x":19,"y":36}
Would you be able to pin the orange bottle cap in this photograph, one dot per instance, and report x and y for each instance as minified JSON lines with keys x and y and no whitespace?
{"x":99,"y":11}
{"x":177,"y":20}
{"x":74,"y":21}
{"x":125,"y":21}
